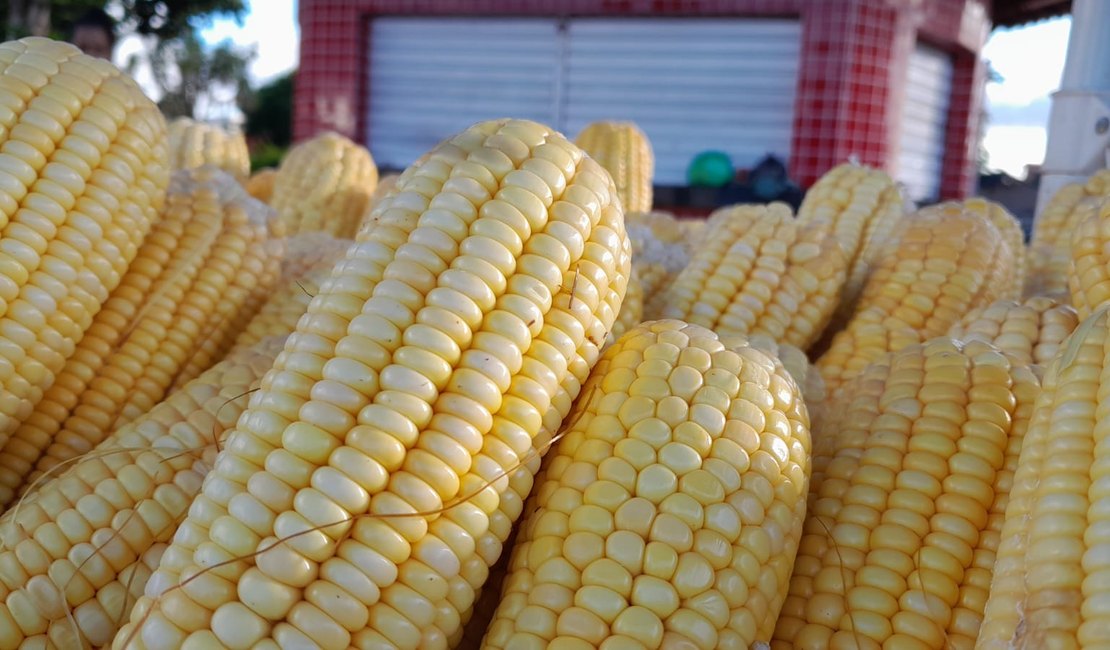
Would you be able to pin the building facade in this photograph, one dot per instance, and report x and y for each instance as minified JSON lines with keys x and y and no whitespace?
{"x":895,"y":84}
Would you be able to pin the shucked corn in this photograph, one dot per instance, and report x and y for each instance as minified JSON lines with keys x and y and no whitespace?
{"x":670,"y":512}
{"x":625,"y":152}
{"x":444,"y":348}
{"x":1053,"y":230}
{"x":900,"y":540}
{"x":83,"y":155}
{"x":760,"y":271}
{"x":81,"y":541}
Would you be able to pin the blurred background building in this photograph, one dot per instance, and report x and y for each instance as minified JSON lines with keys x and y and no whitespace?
{"x":811,"y":83}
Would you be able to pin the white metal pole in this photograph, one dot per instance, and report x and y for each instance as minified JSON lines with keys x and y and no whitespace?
{"x":1079,"y":124}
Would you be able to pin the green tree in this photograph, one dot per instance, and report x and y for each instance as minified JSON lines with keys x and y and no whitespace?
{"x":270,"y":112}
{"x":165,"y":19}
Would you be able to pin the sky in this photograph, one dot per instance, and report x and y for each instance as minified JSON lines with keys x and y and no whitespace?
{"x":1030,"y":60}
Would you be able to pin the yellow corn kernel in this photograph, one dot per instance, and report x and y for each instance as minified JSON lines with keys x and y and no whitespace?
{"x":1045,"y":591}
{"x":1008,"y":226}
{"x":89,"y":539}
{"x":442,"y":352}
{"x":260,"y":185}
{"x":625,"y":152}
{"x":195,"y":144}
{"x":1053,"y":230}
{"x":761,"y":271}
{"x":940,"y":264}
{"x":910,"y":487}
{"x":281,"y":312}
{"x":324,"y":184}
{"x":669,"y":513}
{"x":208,"y":254}
{"x":1088,"y":276}
{"x":84,"y":172}
{"x":309,"y":251}
{"x":1031,"y":331}
{"x":863,"y":206}
{"x":797,"y":364}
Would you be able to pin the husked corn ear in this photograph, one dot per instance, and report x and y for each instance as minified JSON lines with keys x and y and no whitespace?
{"x":1031,"y":331}
{"x":77,"y":553}
{"x":941,"y":263}
{"x":1054,"y":229}
{"x":900,"y":540}
{"x":208,"y":251}
{"x":1010,"y":229}
{"x":84,"y":173}
{"x":761,"y":271}
{"x":1048,"y":581}
{"x":693,"y":229}
{"x":797,"y":364}
{"x":395,"y":434}
{"x":862,"y":206}
{"x":310,"y":250}
{"x":324,"y":184}
{"x":625,"y":152}
{"x":195,"y":144}
{"x":669,"y":514}
{"x":632,"y":309}
{"x":1089,"y":265}
{"x":261,"y":184}
{"x":660,"y":250}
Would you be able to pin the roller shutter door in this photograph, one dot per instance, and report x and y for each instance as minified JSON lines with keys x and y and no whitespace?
{"x":433,"y":77}
{"x":692,"y":84}
{"x":923,"y":122}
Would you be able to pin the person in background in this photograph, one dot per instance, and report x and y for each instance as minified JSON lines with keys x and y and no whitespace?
{"x":94,"y":33}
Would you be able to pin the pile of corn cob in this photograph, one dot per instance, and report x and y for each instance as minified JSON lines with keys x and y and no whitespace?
{"x":497,"y":402}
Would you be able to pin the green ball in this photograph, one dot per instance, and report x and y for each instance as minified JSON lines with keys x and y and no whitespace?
{"x":710,"y":168}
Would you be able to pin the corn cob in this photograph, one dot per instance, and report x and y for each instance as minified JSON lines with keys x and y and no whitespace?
{"x":261,"y":184}
{"x":1088,"y":273}
{"x":92,"y":534}
{"x":941,"y":263}
{"x":863,"y":206}
{"x":670,"y":512}
{"x":1014,"y":237}
{"x":900,"y":541}
{"x":394,"y":382}
{"x":84,"y":174}
{"x":1048,"y":580}
{"x":760,"y":271}
{"x":195,"y":144}
{"x":660,"y":250}
{"x":625,"y":152}
{"x":632,"y":309}
{"x":153,"y":330}
{"x":324,"y":184}
{"x":1030,"y":331}
{"x":1053,"y":230}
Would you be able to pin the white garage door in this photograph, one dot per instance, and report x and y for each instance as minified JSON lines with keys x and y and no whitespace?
{"x":691,"y":84}
{"x":433,"y":77}
{"x":924,"y":121}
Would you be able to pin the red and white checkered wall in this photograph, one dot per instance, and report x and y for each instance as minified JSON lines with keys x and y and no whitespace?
{"x":853,"y":60}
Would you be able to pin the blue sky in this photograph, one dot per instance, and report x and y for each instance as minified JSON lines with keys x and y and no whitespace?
{"x":1030,"y":60}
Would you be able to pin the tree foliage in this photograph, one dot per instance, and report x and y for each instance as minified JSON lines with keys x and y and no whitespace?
{"x":165,"y":19}
{"x":270,"y":112}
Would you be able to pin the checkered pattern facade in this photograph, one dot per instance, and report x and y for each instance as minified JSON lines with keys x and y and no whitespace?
{"x":853,"y":59}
